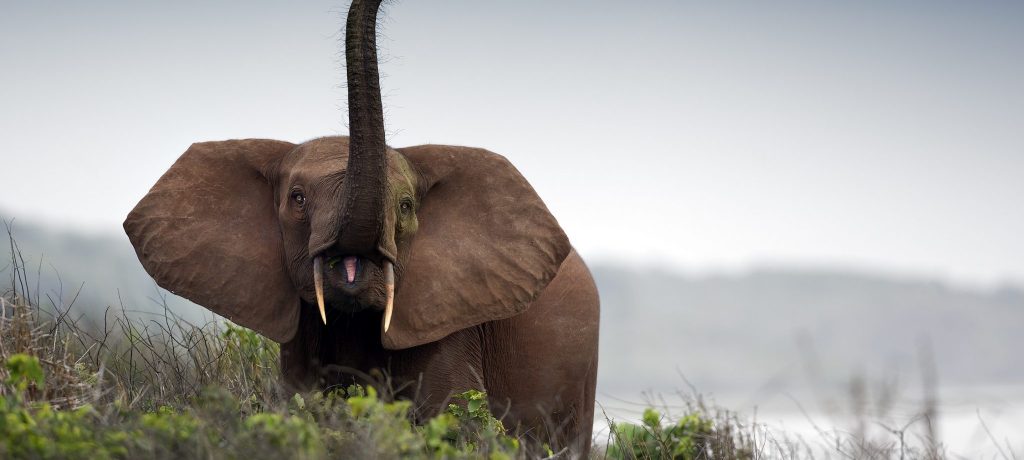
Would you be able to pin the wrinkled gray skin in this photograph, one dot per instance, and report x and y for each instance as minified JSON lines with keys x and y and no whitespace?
{"x":488,"y":292}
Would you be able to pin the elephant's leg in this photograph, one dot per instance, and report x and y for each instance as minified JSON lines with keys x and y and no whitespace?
{"x":431,"y":374}
{"x":541,"y":366}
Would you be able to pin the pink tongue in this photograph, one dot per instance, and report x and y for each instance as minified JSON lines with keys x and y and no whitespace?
{"x":350,"y":269}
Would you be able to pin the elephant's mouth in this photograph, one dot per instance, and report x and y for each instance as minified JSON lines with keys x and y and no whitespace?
{"x":352,"y":267}
{"x":350,"y":275}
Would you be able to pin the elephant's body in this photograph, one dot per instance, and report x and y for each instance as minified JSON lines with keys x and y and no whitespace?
{"x":427,"y":270}
{"x":539,"y":368}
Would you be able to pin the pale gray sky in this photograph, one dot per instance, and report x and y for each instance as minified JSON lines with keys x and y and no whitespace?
{"x":698,"y":135}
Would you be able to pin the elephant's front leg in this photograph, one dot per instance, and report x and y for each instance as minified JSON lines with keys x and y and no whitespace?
{"x":431,"y":374}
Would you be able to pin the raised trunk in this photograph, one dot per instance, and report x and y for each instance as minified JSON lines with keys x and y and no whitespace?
{"x":362,"y":213}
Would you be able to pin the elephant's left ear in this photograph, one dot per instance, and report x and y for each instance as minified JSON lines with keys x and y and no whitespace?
{"x":485,"y":249}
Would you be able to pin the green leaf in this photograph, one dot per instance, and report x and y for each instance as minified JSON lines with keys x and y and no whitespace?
{"x":24,"y":370}
{"x":652,"y":418}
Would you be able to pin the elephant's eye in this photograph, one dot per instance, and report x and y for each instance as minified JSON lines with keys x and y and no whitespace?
{"x":406,"y":206}
{"x":299,"y":198}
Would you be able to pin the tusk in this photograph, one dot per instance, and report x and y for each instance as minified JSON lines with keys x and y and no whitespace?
{"x":389,"y":285}
{"x":318,"y":282}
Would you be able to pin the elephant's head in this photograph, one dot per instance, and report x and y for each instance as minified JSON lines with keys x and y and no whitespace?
{"x":257,"y":229}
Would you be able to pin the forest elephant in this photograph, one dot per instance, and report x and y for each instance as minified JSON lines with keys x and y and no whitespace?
{"x":437,"y":266}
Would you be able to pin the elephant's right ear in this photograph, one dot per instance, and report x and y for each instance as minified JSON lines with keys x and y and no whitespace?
{"x":208,"y":231}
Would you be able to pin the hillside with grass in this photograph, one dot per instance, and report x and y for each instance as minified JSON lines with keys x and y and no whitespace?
{"x":118,"y":369}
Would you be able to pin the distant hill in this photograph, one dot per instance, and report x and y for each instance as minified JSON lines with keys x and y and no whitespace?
{"x":786,"y":329}
{"x":767,"y":330}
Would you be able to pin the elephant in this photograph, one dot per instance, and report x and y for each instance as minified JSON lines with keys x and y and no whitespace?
{"x":435,"y":268}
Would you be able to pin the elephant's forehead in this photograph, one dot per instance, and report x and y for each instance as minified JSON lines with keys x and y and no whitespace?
{"x":321,"y":156}
{"x":327,"y":156}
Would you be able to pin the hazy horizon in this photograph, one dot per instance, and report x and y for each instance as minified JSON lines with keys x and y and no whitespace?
{"x":652,"y":267}
{"x":701,"y":138}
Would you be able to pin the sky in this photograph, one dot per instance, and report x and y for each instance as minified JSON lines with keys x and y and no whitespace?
{"x":697,"y":136}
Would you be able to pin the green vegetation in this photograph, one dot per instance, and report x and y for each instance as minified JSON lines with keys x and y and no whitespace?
{"x":686,"y":439}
